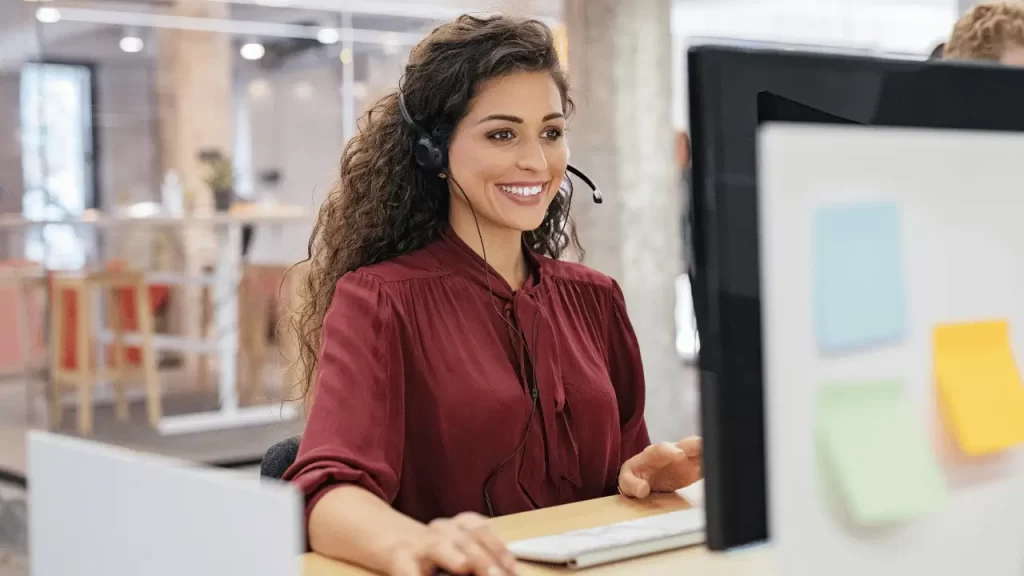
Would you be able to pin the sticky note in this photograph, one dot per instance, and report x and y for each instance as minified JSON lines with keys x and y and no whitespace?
{"x":978,"y":385}
{"x":859,"y":294}
{"x":875,"y":447}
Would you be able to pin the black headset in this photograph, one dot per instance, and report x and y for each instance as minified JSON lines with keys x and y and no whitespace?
{"x":433,"y":159}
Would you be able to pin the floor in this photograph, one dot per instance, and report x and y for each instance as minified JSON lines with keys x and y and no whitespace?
{"x":180,"y":396}
{"x":13,"y":559}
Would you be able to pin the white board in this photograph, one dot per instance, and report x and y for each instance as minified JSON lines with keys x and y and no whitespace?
{"x":961,"y":200}
{"x":100,"y":510}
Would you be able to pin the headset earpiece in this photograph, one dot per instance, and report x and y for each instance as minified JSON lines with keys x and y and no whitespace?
{"x":430,"y":157}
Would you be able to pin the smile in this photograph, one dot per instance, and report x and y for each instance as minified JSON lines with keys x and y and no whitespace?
{"x":521,"y":190}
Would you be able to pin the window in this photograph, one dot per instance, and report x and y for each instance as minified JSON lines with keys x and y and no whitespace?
{"x":56,"y":132}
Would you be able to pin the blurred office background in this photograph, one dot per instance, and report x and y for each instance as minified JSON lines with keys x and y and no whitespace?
{"x":142,"y":140}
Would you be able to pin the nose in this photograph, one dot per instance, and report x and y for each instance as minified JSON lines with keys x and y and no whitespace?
{"x":531,"y":157}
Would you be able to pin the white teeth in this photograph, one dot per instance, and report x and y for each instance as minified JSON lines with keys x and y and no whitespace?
{"x":523,"y":190}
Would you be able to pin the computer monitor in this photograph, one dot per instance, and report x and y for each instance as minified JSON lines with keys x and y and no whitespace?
{"x":732,"y":91}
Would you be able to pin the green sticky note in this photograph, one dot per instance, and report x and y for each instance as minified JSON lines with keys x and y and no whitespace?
{"x":874,"y":447}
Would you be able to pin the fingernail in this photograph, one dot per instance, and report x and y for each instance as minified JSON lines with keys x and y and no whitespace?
{"x":495,"y":571}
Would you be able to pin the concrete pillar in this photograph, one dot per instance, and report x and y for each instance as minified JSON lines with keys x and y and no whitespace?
{"x":196,"y":112}
{"x":194,"y":95}
{"x":620,"y":64}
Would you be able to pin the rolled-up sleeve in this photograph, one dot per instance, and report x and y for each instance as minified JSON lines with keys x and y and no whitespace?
{"x":355,"y":427}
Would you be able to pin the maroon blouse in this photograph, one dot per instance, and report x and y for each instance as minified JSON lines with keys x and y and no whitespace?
{"x":423,"y":389}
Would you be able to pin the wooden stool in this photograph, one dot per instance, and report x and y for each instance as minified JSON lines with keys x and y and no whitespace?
{"x":20,"y":284}
{"x":75,"y":366}
{"x":256,"y":292}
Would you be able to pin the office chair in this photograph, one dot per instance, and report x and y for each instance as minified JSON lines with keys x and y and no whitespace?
{"x":279,"y":458}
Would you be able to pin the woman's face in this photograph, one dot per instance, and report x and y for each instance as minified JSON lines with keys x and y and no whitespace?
{"x":509,"y":153}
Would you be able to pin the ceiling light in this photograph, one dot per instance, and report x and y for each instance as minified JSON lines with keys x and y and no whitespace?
{"x":328,"y":36}
{"x":132,"y":44}
{"x":252,"y":51}
{"x":391,"y":44}
{"x":259,"y":89}
{"x":48,"y":15}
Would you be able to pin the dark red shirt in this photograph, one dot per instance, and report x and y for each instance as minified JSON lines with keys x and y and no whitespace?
{"x":423,"y":388}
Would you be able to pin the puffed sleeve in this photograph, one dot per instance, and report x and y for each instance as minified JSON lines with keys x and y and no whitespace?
{"x":627,"y":374}
{"x":355,"y":428}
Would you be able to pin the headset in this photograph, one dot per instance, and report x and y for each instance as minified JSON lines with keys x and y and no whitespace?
{"x":433,"y":159}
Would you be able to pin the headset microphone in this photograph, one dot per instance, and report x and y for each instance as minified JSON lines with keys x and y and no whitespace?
{"x":598,"y":197}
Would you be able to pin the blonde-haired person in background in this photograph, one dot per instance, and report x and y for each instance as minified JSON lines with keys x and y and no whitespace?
{"x":992,"y":31}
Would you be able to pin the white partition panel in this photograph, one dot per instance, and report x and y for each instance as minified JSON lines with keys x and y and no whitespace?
{"x":959,"y":197}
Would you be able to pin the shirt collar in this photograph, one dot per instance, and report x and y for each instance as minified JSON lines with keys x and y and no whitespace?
{"x":454,"y":252}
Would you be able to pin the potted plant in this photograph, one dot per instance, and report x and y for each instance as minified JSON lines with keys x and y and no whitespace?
{"x":220,"y":177}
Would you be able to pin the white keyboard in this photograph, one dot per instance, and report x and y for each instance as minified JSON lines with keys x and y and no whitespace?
{"x":615,"y":541}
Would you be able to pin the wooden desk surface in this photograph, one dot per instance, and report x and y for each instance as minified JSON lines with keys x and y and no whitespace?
{"x":696,"y":560}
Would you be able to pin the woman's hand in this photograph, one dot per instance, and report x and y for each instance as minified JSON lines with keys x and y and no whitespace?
{"x":664,"y":467}
{"x":465,"y":544}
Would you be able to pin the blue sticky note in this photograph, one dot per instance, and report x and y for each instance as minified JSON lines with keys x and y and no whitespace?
{"x":859,"y":294}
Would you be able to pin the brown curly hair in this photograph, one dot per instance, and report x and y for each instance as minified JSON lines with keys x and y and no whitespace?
{"x":383,"y":206}
{"x":986,"y":31}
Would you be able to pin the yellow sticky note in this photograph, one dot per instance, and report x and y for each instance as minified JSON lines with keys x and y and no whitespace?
{"x":979,"y":388}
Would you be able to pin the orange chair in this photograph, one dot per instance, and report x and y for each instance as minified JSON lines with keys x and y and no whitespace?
{"x":21,"y":340}
{"x":128,"y":305}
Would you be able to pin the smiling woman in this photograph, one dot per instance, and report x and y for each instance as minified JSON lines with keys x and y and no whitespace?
{"x":453,"y":365}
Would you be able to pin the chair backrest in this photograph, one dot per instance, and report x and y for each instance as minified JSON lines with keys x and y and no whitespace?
{"x":279,"y":458}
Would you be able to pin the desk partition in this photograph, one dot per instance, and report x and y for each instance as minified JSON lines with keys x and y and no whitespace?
{"x":893,"y":307}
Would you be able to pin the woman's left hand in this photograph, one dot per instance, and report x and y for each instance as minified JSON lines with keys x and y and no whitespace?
{"x":664,"y":467}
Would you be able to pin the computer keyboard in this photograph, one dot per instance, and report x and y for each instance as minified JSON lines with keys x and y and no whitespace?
{"x":627,"y":533}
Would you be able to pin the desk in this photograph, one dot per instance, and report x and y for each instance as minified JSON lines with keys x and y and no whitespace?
{"x":697,"y":560}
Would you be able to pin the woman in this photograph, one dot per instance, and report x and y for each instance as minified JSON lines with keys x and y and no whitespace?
{"x":993,"y":31}
{"x":453,"y":365}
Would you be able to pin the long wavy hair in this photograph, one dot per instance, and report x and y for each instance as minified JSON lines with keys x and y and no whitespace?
{"x":383,"y":206}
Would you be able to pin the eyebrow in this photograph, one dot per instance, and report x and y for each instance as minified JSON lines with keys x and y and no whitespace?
{"x":517,"y":119}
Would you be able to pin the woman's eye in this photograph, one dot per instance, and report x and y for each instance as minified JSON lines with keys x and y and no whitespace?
{"x":553,"y":133}
{"x":502,"y":135}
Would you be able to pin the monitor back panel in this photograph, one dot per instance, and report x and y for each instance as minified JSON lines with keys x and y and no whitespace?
{"x":98,"y":510}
